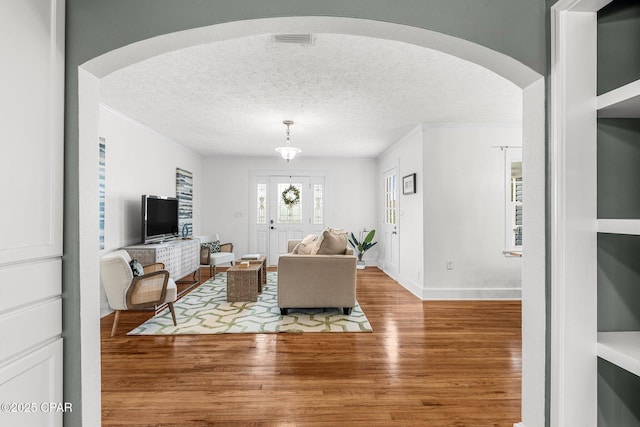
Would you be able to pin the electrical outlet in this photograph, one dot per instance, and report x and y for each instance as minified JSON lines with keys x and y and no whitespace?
{"x":449,"y":265}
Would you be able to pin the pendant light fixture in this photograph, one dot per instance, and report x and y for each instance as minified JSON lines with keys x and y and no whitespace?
{"x":287,"y":151}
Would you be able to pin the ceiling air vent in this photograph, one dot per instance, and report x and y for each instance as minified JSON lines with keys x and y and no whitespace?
{"x":294,"y":38}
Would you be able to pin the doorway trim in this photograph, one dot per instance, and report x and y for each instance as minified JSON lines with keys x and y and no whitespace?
{"x":573,"y":371}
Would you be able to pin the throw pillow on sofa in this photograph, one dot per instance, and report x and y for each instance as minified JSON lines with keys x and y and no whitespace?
{"x":332,"y":241}
{"x":305,"y":246}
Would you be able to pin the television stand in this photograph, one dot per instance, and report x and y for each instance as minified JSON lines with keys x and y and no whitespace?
{"x":181,"y":258}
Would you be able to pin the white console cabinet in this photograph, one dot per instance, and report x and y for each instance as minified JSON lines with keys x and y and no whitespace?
{"x":181,"y":257}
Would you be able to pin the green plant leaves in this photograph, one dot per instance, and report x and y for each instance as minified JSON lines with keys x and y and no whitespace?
{"x":366,"y":243}
{"x":369,"y":237}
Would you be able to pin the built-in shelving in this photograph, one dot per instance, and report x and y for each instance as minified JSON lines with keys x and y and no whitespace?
{"x":623,"y":102}
{"x":619,"y":226}
{"x":595,"y":73}
{"x":618,"y":276}
{"x":621,"y":348}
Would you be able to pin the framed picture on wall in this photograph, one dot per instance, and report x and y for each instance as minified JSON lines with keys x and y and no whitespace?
{"x":184,"y":194}
{"x":409,"y":184}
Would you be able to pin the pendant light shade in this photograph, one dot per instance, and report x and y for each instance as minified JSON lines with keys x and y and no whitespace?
{"x":287,"y":151}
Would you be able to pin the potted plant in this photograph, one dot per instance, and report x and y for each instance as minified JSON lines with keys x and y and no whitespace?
{"x":363,"y":245}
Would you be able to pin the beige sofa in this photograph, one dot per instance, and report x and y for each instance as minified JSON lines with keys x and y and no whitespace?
{"x":316,"y":281}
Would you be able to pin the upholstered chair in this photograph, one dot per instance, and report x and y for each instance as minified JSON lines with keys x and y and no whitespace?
{"x":128,"y":292}
{"x":209,"y":257}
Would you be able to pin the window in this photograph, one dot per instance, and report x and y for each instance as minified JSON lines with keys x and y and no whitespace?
{"x":513,"y":215}
{"x":261,"y":217}
{"x":516,"y":184}
{"x":292,"y":213}
{"x":312,"y":193}
{"x":390,"y":199}
{"x":318,"y":195}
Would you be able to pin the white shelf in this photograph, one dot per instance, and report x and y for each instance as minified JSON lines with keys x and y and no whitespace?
{"x":623,"y":102}
{"x":621,"y":348}
{"x":619,"y":226}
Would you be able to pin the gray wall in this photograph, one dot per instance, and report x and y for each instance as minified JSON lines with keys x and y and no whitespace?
{"x":618,"y":53}
{"x":514,"y":27}
{"x":618,"y":171}
{"x":618,"y":392}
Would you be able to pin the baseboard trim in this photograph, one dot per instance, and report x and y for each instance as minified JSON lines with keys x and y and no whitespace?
{"x":411,"y":286}
{"x":472,"y":294}
{"x":488,"y":294}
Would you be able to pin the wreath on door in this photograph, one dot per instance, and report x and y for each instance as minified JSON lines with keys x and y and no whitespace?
{"x":291,"y":196}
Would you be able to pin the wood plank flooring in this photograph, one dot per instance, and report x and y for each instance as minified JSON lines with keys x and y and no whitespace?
{"x":436,"y":363}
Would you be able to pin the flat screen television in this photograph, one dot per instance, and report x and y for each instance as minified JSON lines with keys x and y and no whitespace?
{"x":159,"y":218}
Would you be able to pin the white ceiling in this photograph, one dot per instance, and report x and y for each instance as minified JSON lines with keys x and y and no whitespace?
{"x":349,"y":95}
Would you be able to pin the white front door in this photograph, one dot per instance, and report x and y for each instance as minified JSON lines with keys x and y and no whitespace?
{"x":31,"y":162}
{"x":274,"y":222}
{"x":295,"y":210}
{"x":390,"y":223}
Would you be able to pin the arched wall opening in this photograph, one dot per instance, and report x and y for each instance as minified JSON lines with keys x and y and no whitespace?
{"x":532,"y":84}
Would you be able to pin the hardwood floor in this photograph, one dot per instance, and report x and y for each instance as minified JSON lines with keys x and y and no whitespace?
{"x":435,"y":363}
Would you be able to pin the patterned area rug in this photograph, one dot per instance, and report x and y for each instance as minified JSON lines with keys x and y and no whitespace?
{"x":205,"y":310}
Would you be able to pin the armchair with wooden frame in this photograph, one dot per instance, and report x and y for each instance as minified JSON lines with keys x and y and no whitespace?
{"x":213,"y":259}
{"x":128,"y":292}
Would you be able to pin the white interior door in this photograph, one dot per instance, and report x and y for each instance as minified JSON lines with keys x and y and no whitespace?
{"x":390,"y":222}
{"x":31,"y":162}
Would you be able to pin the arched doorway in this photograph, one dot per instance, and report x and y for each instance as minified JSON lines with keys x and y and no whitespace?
{"x":90,"y":73}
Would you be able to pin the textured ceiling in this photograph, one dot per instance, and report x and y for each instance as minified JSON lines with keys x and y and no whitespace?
{"x":348,"y":95}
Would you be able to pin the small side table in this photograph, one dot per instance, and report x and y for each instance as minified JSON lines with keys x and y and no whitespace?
{"x":262,"y":274}
{"x":242,"y":283}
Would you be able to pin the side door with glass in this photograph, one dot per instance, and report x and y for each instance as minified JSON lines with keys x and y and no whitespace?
{"x":390,"y":222}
